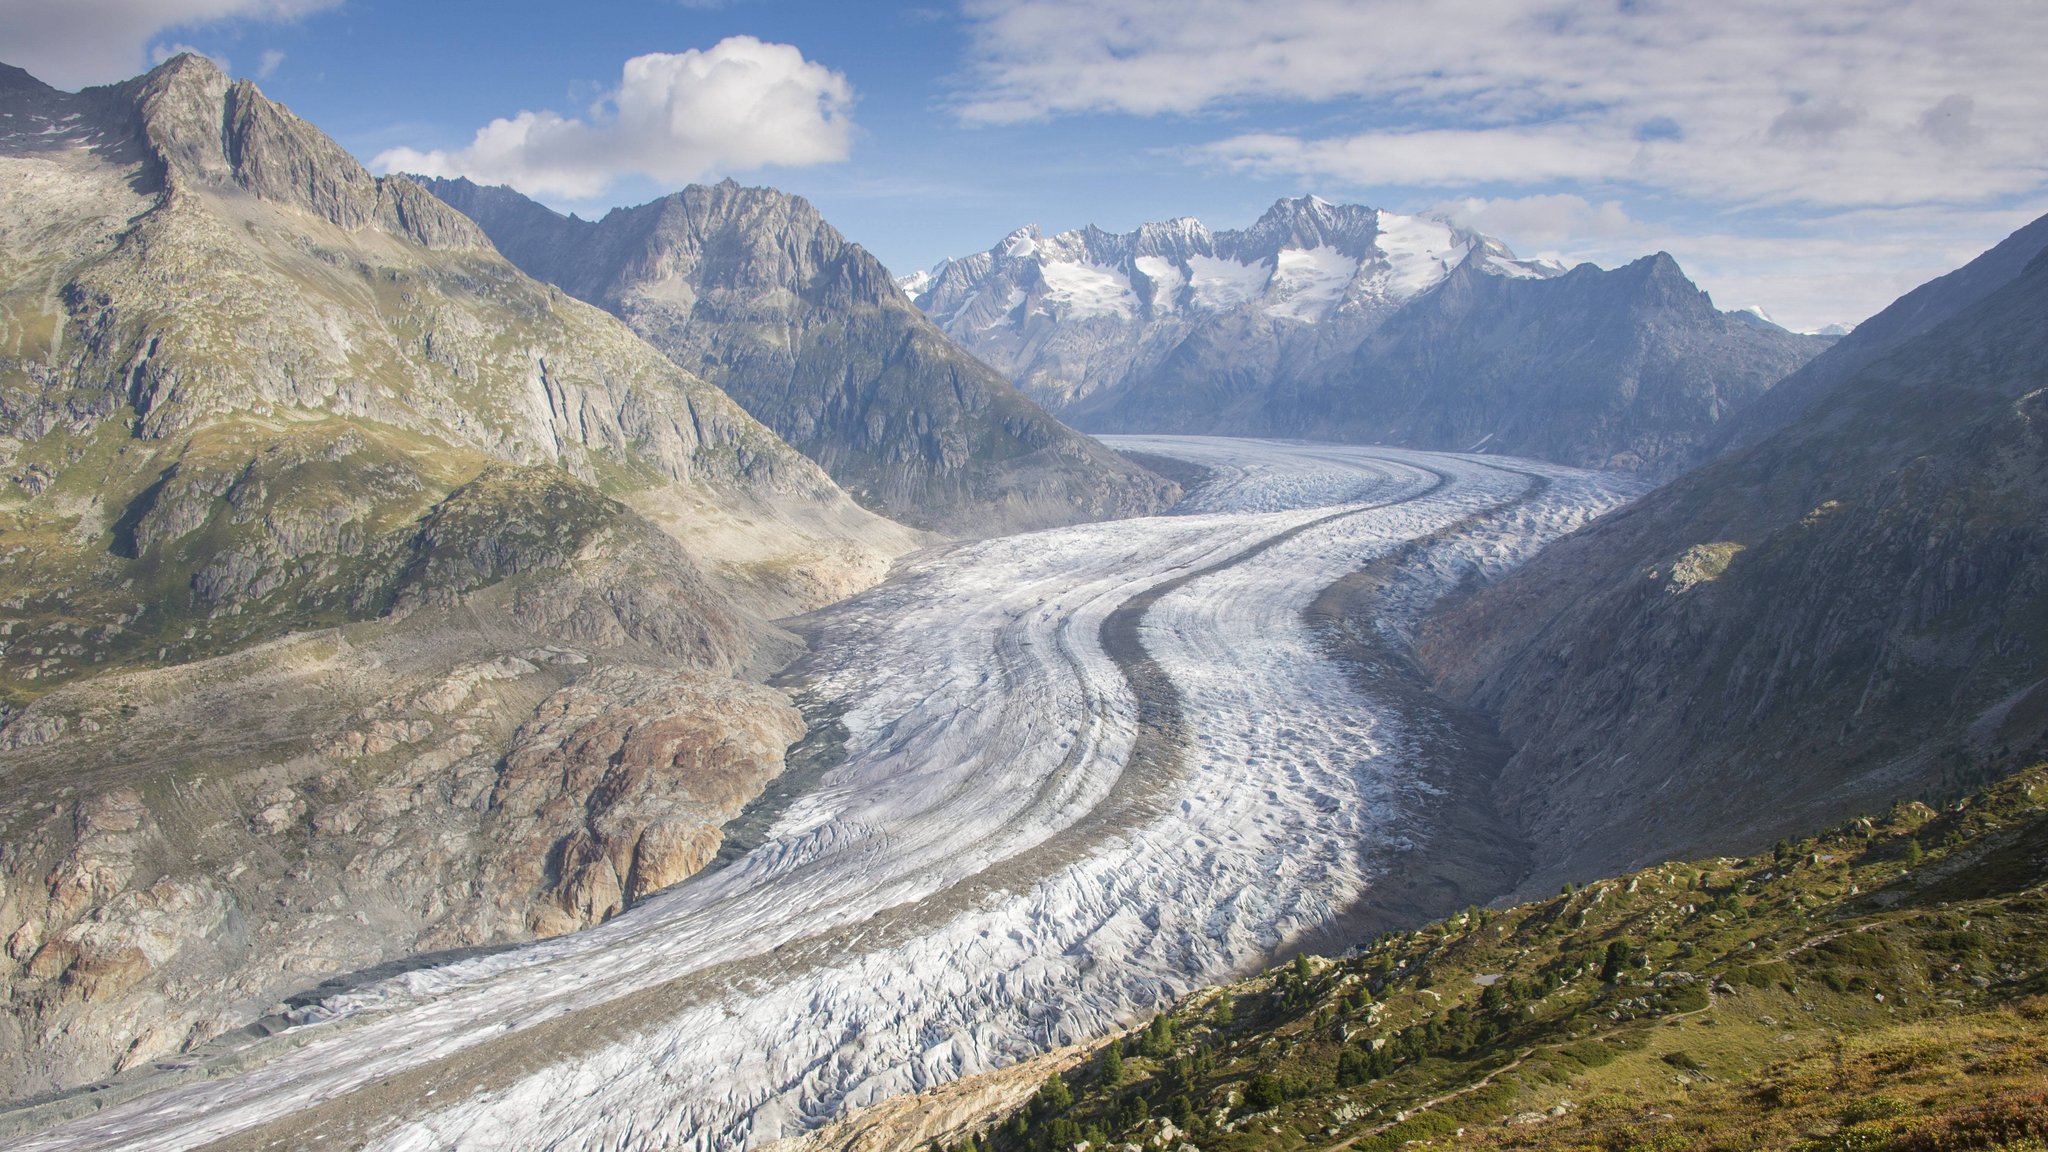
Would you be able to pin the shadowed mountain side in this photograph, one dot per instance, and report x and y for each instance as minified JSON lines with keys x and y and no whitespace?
{"x":1851,"y":610}
{"x":1905,"y":318}
{"x":1632,"y":368}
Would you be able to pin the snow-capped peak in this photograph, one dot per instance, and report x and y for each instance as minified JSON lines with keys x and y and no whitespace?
{"x":1305,"y":261}
{"x":1021,"y":244}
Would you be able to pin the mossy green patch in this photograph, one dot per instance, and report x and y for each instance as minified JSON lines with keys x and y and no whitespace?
{"x":1825,"y":995}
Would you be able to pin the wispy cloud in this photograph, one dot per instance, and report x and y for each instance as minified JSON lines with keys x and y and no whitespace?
{"x":268,"y":66}
{"x":740,"y":105}
{"x":1835,"y":102}
{"x":1832,"y":267}
{"x":71,"y":43}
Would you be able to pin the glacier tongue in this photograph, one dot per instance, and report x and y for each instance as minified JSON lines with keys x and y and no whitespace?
{"x":1017,"y":851}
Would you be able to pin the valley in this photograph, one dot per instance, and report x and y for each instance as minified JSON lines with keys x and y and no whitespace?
{"x":1085,"y":771}
{"x":559,"y":643}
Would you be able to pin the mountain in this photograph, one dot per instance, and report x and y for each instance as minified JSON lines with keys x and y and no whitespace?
{"x":359,"y":595}
{"x":1632,"y":368}
{"x":751,"y":289}
{"x":1877,"y":986}
{"x":1848,"y":610}
{"x":1351,"y":323}
{"x":1907,"y":317}
{"x":1079,"y":317}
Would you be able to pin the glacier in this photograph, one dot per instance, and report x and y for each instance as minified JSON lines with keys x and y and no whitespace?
{"x":1085,"y":771}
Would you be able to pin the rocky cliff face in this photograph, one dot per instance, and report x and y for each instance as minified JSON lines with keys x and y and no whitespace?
{"x":1849,"y":611}
{"x":1349,"y":323}
{"x":751,"y":289}
{"x":359,"y":595}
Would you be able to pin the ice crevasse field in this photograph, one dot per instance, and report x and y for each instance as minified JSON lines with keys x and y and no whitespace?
{"x":1038,"y":830}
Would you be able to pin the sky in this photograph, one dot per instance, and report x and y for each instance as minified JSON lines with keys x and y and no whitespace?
{"x":1814,"y":159}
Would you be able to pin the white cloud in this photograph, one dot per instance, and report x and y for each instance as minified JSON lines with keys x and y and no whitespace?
{"x":1828,"y":102}
{"x":739,"y":105}
{"x":1546,"y":222}
{"x":73,"y":43}
{"x":269,"y":64}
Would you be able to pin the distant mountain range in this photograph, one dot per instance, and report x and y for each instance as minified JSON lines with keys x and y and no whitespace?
{"x":751,"y":289}
{"x":1345,"y":322}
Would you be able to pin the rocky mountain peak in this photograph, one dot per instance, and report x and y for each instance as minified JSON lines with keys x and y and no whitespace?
{"x":210,"y":133}
{"x":182,"y":102}
{"x":1308,"y":222}
{"x":14,"y":79}
{"x":1662,"y":283}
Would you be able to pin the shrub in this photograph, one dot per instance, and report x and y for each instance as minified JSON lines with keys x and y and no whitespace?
{"x":1263,"y":1092}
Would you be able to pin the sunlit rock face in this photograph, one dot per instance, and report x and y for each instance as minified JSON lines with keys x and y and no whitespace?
{"x":339,"y":560}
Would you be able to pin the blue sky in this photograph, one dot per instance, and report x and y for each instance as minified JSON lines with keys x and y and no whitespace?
{"x":1815,"y":159}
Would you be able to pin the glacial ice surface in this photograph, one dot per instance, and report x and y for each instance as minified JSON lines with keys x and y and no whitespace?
{"x":979,"y":880}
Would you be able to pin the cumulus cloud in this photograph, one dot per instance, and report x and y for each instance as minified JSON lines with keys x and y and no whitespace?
{"x":739,"y":105}
{"x":73,"y":43}
{"x":1829,"y":103}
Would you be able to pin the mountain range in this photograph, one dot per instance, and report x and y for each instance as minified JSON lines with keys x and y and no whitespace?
{"x":1355,"y":324}
{"x":394,"y":568}
{"x":752,"y":290}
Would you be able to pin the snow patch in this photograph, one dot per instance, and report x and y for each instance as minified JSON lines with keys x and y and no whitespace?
{"x":1084,"y":290}
{"x":1166,"y":278}
{"x":1221,"y":284}
{"x":1307,"y":283}
{"x":1420,"y":252}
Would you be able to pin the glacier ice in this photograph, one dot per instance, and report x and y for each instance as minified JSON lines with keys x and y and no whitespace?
{"x":983,"y":876}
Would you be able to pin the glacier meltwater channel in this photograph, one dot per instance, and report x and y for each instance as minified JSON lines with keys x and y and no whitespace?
{"x":1085,"y":771}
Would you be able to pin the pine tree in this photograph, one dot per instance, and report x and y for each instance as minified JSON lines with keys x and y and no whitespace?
{"x":1617,"y":960}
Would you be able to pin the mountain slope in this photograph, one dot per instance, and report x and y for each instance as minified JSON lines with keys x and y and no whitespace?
{"x":362,"y":595}
{"x":1909,"y":316}
{"x":1632,"y":368}
{"x":750,"y":288}
{"x":1852,"y":608}
{"x":1875,"y":987}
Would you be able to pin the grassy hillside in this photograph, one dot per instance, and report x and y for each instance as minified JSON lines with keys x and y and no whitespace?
{"x":1881,"y":986}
